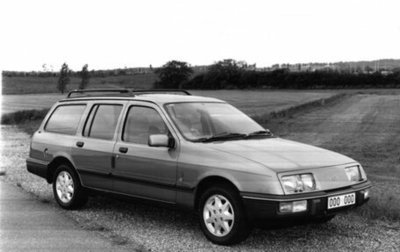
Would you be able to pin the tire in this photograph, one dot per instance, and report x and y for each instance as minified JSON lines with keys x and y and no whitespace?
{"x":67,"y":188}
{"x":323,"y":219}
{"x":222,"y":217}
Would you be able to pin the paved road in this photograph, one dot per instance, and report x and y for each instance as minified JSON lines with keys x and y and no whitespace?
{"x":27,"y":224}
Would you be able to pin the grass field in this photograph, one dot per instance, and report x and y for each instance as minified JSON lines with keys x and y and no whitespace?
{"x":40,"y":85}
{"x":364,"y":127}
{"x":251,"y":102}
{"x":153,"y":228}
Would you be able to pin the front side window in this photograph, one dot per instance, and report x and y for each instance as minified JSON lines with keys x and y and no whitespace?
{"x":141,"y":122}
{"x":65,"y":119}
{"x":102,"y":121}
{"x":197,"y":120}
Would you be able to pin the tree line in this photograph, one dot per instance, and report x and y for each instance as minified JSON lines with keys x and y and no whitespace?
{"x":93,"y":73}
{"x":64,"y":77}
{"x":231,"y":74}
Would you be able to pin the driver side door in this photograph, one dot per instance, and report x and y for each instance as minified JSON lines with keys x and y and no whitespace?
{"x":142,"y":170}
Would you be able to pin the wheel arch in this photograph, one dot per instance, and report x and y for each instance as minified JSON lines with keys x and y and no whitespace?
{"x":52,"y":166}
{"x":211,"y":181}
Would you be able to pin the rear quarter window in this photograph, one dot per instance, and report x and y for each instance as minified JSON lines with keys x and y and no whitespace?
{"x":65,"y":119}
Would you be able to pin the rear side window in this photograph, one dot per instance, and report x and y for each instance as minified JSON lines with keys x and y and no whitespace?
{"x":102,"y":121}
{"x":65,"y":119}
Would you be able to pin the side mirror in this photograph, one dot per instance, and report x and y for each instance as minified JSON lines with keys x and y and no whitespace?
{"x":160,"y":140}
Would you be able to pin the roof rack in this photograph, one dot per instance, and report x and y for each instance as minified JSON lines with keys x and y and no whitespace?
{"x":160,"y":91}
{"x":104,"y":91}
{"x":123,"y":91}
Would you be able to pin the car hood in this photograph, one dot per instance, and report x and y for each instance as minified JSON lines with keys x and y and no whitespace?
{"x":281,"y":155}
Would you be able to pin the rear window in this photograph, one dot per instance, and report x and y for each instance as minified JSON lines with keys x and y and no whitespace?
{"x":65,"y":119}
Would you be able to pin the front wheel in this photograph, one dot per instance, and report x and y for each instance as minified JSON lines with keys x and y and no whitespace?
{"x":323,"y":219}
{"x":67,"y":189}
{"x":222,"y":216}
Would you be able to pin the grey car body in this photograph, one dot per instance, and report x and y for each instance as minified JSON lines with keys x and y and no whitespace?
{"x":173,"y":169}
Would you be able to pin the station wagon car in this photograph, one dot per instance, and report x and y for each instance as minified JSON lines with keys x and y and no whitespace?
{"x":192,"y":152}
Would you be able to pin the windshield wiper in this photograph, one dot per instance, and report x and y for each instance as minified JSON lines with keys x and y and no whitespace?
{"x":225,"y":136}
{"x":260,"y":133}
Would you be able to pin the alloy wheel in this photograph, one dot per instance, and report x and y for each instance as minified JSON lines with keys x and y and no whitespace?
{"x":65,"y":187}
{"x":218,"y":215}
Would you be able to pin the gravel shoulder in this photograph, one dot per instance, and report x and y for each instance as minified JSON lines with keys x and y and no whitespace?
{"x":154,"y":228}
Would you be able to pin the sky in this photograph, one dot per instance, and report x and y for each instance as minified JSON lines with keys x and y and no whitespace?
{"x":118,"y":33}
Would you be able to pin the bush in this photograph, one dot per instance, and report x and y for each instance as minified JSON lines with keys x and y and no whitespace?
{"x":174,"y":74}
{"x":222,"y":78}
{"x":23,"y":116}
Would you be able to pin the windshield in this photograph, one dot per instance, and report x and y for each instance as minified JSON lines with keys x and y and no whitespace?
{"x":202,"y":121}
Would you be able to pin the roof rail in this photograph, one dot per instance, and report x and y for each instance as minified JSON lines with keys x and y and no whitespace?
{"x":160,"y":91}
{"x":104,"y":90}
{"x":124,"y":91}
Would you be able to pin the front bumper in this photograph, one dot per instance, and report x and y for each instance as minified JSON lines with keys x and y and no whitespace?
{"x":261,"y":206}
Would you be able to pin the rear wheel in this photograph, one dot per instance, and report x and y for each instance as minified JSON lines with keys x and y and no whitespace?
{"x":67,"y":189}
{"x":222,"y":216}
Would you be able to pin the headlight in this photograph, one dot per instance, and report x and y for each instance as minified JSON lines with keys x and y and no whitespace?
{"x":353,"y":173}
{"x":298,"y":183}
{"x":308,"y":182}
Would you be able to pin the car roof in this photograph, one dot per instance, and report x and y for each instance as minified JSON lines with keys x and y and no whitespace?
{"x":171,"y":98}
{"x":159,"y":99}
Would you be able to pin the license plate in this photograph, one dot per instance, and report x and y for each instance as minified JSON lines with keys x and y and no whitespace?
{"x":341,"y":200}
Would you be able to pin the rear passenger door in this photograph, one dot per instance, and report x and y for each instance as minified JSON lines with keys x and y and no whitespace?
{"x":92,"y":151}
{"x":142,"y":170}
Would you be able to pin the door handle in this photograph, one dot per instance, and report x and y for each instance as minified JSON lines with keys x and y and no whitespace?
{"x":80,"y":144}
{"x":123,"y":149}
